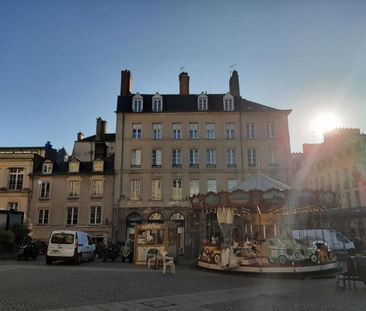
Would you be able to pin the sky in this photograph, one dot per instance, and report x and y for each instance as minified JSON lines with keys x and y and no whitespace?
{"x":61,"y":61}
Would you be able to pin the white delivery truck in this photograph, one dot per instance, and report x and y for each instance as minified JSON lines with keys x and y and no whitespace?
{"x":335,"y":240}
{"x":66,"y":245}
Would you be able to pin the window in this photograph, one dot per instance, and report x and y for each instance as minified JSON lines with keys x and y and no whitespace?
{"x":176,"y":131}
{"x":44,"y":189}
{"x":229,"y":130}
{"x":156,"y":189}
{"x":157,"y":103}
{"x":202,"y":102}
{"x":72,"y":216}
{"x":272,"y":157}
{"x":98,"y":166}
{"x":177,"y":189}
{"x":95,"y":215}
{"x":135,"y":189}
{"x":212,"y":185}
{"x":230,"y":158}
{"x":211,"y":157}
{"x":194,"y":187}
{"x":136,"y":130}
{"x":177,"y":158}
{"x":228,"y":102}
{"x":194,"y":157}
{"x":74,"y":166}
{"x":47,"y":168}
{"x":156,"y":158}
{"x":193,"y":131}
{"x":43,"y":216}
{"x":157,"y":131}
{"x":270,"y":130}
{"x":210,"y":131}
{"x":97,"y":187}
{"x":13,"y":206}
{"x":137,"y":103}
{"x":232,"y":183}
{"x":252,"y":157}
{"x":345,"y":179}
{"x":136,"y":158}
{"x":74,"y":189}
{"x":16,"y":178}
{"x":250,"y":130}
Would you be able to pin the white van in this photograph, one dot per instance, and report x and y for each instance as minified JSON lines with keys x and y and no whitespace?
{"x":335,"y":240}
{"x":75,"y":246}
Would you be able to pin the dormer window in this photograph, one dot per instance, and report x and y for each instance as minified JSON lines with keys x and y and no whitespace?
{"x":47,"y":167}
{"x":202,"y":102}
{"x":228,"y":102}
{"x":98,"y":166}
{"x":157,"y":103}
{"x":137,"y":103}
{"x":74,"y":166}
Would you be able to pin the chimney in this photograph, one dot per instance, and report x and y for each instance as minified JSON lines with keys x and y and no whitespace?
{"x":234,"y":84}
{"x":184,"y":83}
{"x":80,"y":136}
{"x":126,"y":83}
{"x":98,"y":132}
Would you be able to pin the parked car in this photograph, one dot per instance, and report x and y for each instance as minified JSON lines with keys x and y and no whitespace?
{"x":74,"y":246}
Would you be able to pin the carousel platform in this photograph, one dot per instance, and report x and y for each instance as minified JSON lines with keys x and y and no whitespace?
{"x":274,"y":269}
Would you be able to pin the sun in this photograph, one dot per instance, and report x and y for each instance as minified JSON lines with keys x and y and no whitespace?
{"x":324,"y":123}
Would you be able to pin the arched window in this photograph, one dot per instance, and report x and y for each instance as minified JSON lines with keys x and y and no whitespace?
{"x":156,"y":218}
{"x":132,"y":220}
{"x":178,"y":220}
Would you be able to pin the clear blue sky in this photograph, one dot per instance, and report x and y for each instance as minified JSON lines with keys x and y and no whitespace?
{"x":60,"y":61}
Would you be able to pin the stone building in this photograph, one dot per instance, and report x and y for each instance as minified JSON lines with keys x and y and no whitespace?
{"x":338,"y":164}
{"x":76,"y":194}
{"x":171,"y":146}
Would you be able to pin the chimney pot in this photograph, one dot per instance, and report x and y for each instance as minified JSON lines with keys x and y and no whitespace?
{"x":80,"y":136}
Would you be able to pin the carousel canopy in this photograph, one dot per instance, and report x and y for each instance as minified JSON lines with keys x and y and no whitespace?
{"x":261,"y":182}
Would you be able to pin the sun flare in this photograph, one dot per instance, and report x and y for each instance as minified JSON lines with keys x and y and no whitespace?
{"x":324,"y":123}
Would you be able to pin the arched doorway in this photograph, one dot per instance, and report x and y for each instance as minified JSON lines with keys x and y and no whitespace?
{"x":156,"y":218}
{"x":132,"y":220}
{"x":179,"y":221}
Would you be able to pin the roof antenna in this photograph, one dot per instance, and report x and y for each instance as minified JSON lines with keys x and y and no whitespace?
{"x":231,"y":68}
{"x":181,"y":69}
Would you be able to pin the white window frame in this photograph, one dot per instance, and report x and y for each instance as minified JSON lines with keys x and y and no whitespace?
{"x":43,"y":216}
{"x":177,"y":189}
{"x":228,"y":102}
{"x":193,"y":131}
{"x":210,"y":130}
{"x":230,"y":130}
{"x":136,"y":158}
{"x":157,"y":131}
{"x":74,"y":189}
{"x":157,"y":103}
{"x":272,"y":156}
{"x":16,"y":178}
{"x":177,"y":157}
{"x":47,"y":167}
{"x":250,"y":130}
{"x":136,"y":131}
{"x":74,"y":166}
{"x":44,"y":189}
{"x":252,"y":157}
{"x":156,"y":189}
{"x":135,"y":189}
{"x":156,"y":158}
{"x":98,"y":166}
{"x":72,"y":215}
{"x":13,"y":206}
{"x":177,"y":131}
{"x":95,"y":215}
{"x":270,"y":129}
{"x":194,"y":188}
{"x":212,"y":185}
{"x":202,"y":102}
{"x":231,"y":157}
{"x":97,"y":187}
{"x":194,"y":157}
{"x":211,"y":157}
{"x":137,"y":103}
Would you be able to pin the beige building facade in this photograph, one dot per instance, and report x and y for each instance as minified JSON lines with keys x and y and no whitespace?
{"x":170,"y":147}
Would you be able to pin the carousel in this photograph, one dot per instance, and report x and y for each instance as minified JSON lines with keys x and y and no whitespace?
{"x":249,"y":229}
